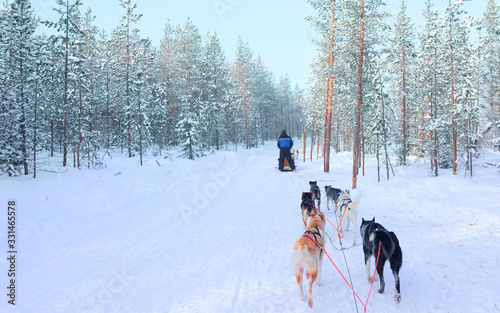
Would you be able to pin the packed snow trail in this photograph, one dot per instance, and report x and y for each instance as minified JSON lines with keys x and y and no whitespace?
{"x":216,"y":235}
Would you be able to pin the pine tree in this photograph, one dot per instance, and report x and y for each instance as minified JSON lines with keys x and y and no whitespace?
{"x":327,"y":25}
{"x":67,"y":26}
{"x":434,"y":90}
{"x":452,"y":24}
{"x":402,"y":66}
{"x":265,"y":95}
{"x":242,"y":74}
{"x":19,"y":25}
{"x":143,"y":71}
{"x":90,"y":102}
{"x":366,"y":18}
{"x":189,"y":83}
{"x":127,"y":20}
{"x":167,"y":90}
{"x":380,"y":126}
{"x":41,"y":92}
{"x":187,"y":132}
{"x":490,"y":68}
{"x":215,"y":90}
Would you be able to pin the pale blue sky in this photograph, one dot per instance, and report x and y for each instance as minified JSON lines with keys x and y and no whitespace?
{"x":276,"y":29}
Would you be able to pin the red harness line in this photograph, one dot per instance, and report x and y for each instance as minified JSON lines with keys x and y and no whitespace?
{"x":336,"y":228}
{"x":373,"y":280}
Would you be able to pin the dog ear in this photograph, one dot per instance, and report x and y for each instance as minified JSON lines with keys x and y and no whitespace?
{"x":362,"y":220}
{"x":373,"y":220}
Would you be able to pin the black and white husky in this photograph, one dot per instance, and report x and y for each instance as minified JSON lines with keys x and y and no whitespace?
{"x":316,"y":193}
{"x":373,"y":235}
{"x":332,"y":195}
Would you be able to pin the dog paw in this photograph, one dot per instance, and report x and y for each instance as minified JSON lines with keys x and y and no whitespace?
{"x":372,"y":279}
{"x":302,"y":297}
{"x":397,"y":298}
{"x":318,"y":283}
{"x":310,"y":302}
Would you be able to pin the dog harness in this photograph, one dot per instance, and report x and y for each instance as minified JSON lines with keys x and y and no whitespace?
{"x":345,"y":203}
{"x":312,"y":233}
{"x":338,"y":193}
{"x":315,"y":239}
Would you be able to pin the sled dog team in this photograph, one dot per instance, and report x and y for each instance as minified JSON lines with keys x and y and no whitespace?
{"x":307,"y":254}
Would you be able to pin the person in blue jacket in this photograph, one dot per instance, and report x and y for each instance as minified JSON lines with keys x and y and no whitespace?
{"x":285,"y":143}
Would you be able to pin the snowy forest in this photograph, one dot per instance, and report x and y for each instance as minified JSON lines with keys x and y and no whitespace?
{"x":83,"y":92}
{"x":430,"y":92}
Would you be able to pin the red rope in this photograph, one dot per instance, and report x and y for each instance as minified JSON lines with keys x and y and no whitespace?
{"x":373,"y":279}
{"x":336,"y":228}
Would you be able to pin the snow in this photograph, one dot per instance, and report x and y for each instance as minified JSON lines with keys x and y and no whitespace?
{"x":216,"y":235}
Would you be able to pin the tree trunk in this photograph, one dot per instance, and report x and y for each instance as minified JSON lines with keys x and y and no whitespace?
{"x":304,"y":138}
{"x":107,"y":109}
{"x":65,"y":108}
{"x":35,"y":125}
{"x":79,"y":124}
{"x":378,"y":158}
{"x":319,"y":144}
{"x":360,"y":99}
{"x":436,"y":141}
{"x":312,"y":145}
{"x":453,"y":126}
{"x":363,"y":143}
{"x":404,"y":101}
{"x":385,"y":138}
{"x":245,"y":107}
{"x":127,"y":86}
{"x":140,"y":124}
{"x":328,"y":129}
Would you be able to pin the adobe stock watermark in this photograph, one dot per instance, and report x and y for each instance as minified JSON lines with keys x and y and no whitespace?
{"x":448,"y":295}
{"x":269,"y":301}
{"x":102,"y":296}
{"x":212,"y":189}
{"x":222,"y":7}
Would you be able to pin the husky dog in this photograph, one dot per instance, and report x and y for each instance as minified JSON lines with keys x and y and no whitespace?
{"x":350,"y":215}
{"x":316,"y":192}
{"x":308,"y":256}
{"x":295,"y":154}
{"x":374,"y":235}
{"x":307,"y":206}
{"x":332,"y":195}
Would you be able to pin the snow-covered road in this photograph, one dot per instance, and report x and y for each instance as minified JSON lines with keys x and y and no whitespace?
{"x":216,"y":235}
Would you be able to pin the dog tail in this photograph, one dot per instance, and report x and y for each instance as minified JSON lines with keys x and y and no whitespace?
{"x":383,"y":237}
{"x":355,"y":202}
